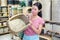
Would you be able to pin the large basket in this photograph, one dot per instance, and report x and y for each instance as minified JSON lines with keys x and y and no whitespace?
{"x":18,"y":23}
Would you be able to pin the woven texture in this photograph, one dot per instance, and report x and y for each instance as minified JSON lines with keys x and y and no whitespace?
{"x":18,"y":23}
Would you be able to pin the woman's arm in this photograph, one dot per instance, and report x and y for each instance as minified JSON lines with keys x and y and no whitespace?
{"x":38,"y":31}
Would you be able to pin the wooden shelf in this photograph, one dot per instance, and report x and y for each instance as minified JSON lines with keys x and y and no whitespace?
{"x":5,"y":33}
{"x":51,"y":31}
{"x":45,"y":37}
{"x":53,"y":22}
{"x":3,"y":16}
{"x":54,"y":32}
{"x":3,"y":6}
{"x":3,"y":21}
{"x":3,"y":12}
{"x":3,"y":26}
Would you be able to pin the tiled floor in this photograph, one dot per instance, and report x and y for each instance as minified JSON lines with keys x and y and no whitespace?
{"x":6,"y":37}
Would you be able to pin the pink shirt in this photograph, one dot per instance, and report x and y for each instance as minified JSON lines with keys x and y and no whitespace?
{"x":36,"y":22}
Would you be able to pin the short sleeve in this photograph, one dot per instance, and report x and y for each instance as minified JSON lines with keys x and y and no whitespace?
{"x":42,"y":21}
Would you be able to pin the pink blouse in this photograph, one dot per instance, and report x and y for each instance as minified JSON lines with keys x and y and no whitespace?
{"x":36,"y":22}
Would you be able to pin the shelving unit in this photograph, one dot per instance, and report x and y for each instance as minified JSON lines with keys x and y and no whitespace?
{"x":3,"y":18}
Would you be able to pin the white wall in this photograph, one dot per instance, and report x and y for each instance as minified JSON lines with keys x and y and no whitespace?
{"x":46,"y":9}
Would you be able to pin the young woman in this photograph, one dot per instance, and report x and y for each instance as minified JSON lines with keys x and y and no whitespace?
{"x":36,"y":23}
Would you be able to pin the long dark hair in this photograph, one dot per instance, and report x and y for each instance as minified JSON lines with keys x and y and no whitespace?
{"x":39,"y":5}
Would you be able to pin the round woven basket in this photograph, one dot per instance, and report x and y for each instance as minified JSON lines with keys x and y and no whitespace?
{"x":18,"y":23}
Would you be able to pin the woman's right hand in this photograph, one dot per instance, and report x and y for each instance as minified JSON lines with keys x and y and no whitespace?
{"x":30,"y":23}
{"x":29,"y":16}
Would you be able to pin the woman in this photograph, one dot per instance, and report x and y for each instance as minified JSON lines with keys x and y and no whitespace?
{"x":36,"y":23}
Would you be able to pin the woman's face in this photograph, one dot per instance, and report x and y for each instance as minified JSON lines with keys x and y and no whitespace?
{"x":34,"y":10}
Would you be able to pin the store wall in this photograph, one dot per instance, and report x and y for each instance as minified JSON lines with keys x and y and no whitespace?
{"x":56,"y":15}
{"x":46,"y":9}
{"x":56,"y":10}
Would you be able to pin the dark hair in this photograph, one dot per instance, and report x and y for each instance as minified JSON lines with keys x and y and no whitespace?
{"x":39,"y":5}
